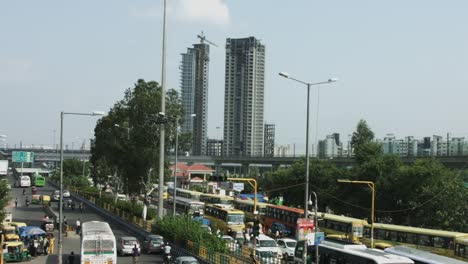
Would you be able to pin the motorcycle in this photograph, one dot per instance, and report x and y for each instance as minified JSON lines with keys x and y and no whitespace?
{"x":167,"y":258}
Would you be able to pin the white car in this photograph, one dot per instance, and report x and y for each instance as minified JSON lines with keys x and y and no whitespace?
{"x":231,"y":243}
{"x":186,"y":260}
{"x":287,"y":247}
{"x":126,"y":244}
{"x":268,"y":244}
{"x":266,"y":256}
{"x":56,"y":195}
{"x":66,"y":194}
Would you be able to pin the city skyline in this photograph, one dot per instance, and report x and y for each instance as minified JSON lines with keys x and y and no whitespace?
{"x":400,"y":64}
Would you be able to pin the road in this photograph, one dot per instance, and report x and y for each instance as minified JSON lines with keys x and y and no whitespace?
{"x":33,"y":214}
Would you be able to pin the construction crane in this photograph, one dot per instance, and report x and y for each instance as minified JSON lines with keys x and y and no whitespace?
{"x":203,"y":39}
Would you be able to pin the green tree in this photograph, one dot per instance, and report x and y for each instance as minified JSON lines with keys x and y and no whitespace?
{"x":127,"y":139}
{"x":4,"y":197}
{"x":363,"y":145}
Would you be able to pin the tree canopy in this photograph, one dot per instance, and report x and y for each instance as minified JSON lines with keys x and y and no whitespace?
{"x":126,"y":147}
{"x":422,"y":194}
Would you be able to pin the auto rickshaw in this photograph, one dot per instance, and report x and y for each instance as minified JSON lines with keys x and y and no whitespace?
{"x":45,"y":199}
{"x":15,"y":252}
{"x":17,"y":225}
{"x":36,"y":199}
{"x":34,"y":190}
{"x":9,"y":233}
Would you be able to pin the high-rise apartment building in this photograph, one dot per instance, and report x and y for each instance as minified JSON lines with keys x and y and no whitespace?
{"x":269,"y":140}
{"x":330,"y":146}
{"x":194,"y":93}
{"x":244,"y":97}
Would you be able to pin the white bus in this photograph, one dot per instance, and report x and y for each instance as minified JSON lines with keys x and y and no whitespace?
{"x":25,"y":181}
{"x":97,"y":243}
{"x":186,"y":206}
{"x":421,"y":257}
{"x":337,"y":252}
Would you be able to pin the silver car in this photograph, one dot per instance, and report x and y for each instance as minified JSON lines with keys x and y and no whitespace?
{"x":126,"y":244}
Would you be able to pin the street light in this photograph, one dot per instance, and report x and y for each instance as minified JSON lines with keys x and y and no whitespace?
{"x":306,"y":195}
{"x":372,"y":187}
{"x":95,"y":113}
{"x":286,"y":75}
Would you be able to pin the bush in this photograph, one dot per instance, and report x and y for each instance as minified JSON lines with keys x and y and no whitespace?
{"x":181,"y":228}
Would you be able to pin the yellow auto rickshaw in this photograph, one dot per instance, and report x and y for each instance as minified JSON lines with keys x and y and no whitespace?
{"x":17,"y":225}
{"x":9,"y":233}
{"x":36,"y":199}
{"x":45,"y":199}
{"x":15,"y":252}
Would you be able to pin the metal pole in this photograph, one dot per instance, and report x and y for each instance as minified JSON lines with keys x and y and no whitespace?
{"x":175,"y":168}
{"x":163,"y":110}
{"x":371,"y":185}
{"x":306,"y":195}
{"x":61,"y":190}
{"x":317,"y":260}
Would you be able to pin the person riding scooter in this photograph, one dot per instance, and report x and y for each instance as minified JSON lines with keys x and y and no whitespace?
{"x":167,"y":253}
{"x":27,"y":201}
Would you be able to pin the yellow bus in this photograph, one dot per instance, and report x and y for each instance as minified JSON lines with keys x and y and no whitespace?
{"x":247,"y":206}
{"x":342,"y":227}
{"x":228,"y":220}
{"x":441,"y":242}
{"x":208,"y":198}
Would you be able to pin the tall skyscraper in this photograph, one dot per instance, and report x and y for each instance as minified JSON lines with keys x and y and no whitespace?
{"x":194,"y":93}
{"x":269,"y":141}
{"x":244,"y":97}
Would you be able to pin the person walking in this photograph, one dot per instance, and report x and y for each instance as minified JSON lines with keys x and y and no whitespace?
{"x":71,"y":258}
{"x":51,"y":244}
{"x":16,"y":202}
{"x":135,"y":254}
{"x":81,"y":207}
{"x":78,"y":226}
{"x":46,"y":246}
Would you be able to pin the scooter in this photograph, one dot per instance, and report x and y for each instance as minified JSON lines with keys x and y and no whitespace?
{"x":167,"y":258}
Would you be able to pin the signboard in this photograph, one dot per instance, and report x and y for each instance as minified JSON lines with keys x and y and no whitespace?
{"x":304,"y":229}
{"x":22,"y":156}
{"x":238,"y":186}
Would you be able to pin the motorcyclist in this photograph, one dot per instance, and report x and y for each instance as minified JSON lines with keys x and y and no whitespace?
{"x":167,"y":252}
{"x":27,"y":201}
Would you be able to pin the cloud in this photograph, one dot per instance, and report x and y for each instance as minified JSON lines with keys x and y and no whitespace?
{"x":214,"y":11}
{"x":211,"y":11}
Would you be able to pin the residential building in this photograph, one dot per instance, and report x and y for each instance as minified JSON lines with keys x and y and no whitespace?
{"x":194,"y":94}
{"x":438,"y":146}
{"x":283,"y":151}
{"x":214,"y":147}
{"x":269,"y":140}
{"x":330,"y":146}
{"x":244,"y":97}
{"x":456,"y":146}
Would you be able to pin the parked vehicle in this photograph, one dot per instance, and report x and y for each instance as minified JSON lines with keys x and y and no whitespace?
{"x":287,"y":246}
{"x":186,"y":260}
{"x":126,"y":244}
{"x":153,"y":244}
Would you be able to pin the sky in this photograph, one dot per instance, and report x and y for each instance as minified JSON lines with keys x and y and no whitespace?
{"x":401,"y":64}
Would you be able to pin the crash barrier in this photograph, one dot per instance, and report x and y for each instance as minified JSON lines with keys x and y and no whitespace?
{"x":141,"y":228}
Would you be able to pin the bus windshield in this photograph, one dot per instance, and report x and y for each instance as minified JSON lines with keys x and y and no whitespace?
{"x":235,"y":218}
{"x":97,"y":245}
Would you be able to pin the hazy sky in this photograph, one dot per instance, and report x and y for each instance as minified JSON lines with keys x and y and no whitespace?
{"x":402,"y":65}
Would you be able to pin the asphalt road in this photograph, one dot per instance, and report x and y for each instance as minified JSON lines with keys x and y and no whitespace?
{"x":33,"y":214}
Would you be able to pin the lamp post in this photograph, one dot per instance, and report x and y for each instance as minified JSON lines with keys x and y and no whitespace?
{"x":372,"y":187}
{"x":306,"y":194}
{"x":62,"y":114}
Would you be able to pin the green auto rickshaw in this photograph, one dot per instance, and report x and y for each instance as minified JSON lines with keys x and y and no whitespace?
{"x":15,"y":252}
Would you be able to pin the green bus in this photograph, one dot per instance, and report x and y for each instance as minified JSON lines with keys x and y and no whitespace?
{"x":39,"y":180}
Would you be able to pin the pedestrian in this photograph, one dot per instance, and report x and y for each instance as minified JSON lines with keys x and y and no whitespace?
{"x":81,"y":207}
{"x":73,"y":205}
{"x":24,"y":192}
{"x":46,"y":246}
{"x":135,"y":254}
{"x":51,"y":244}
{"x":78,"y":226}
{"x":36,"y":246}
{"x":71,"y":258}
{"x":16,"y":202}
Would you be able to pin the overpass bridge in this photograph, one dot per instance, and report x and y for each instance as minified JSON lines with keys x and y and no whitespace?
{"x":241,"y":162}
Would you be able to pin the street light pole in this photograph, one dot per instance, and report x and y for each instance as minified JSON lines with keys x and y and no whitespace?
{"x":62,"y":114}
{"x":372,"y":187}
{"x":315,"y":227}
{"x":175,"y":167}
{"x":306,"y":194}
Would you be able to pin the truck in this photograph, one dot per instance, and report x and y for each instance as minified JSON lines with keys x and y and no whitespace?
{"x":3,"y":168}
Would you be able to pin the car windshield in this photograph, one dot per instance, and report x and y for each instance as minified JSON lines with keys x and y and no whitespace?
{"x":235,"y":218}
{"x":291,"y":244}
{"x":267,"y":243}
{"x":130,"y":242}
{"x":156,"y":241}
